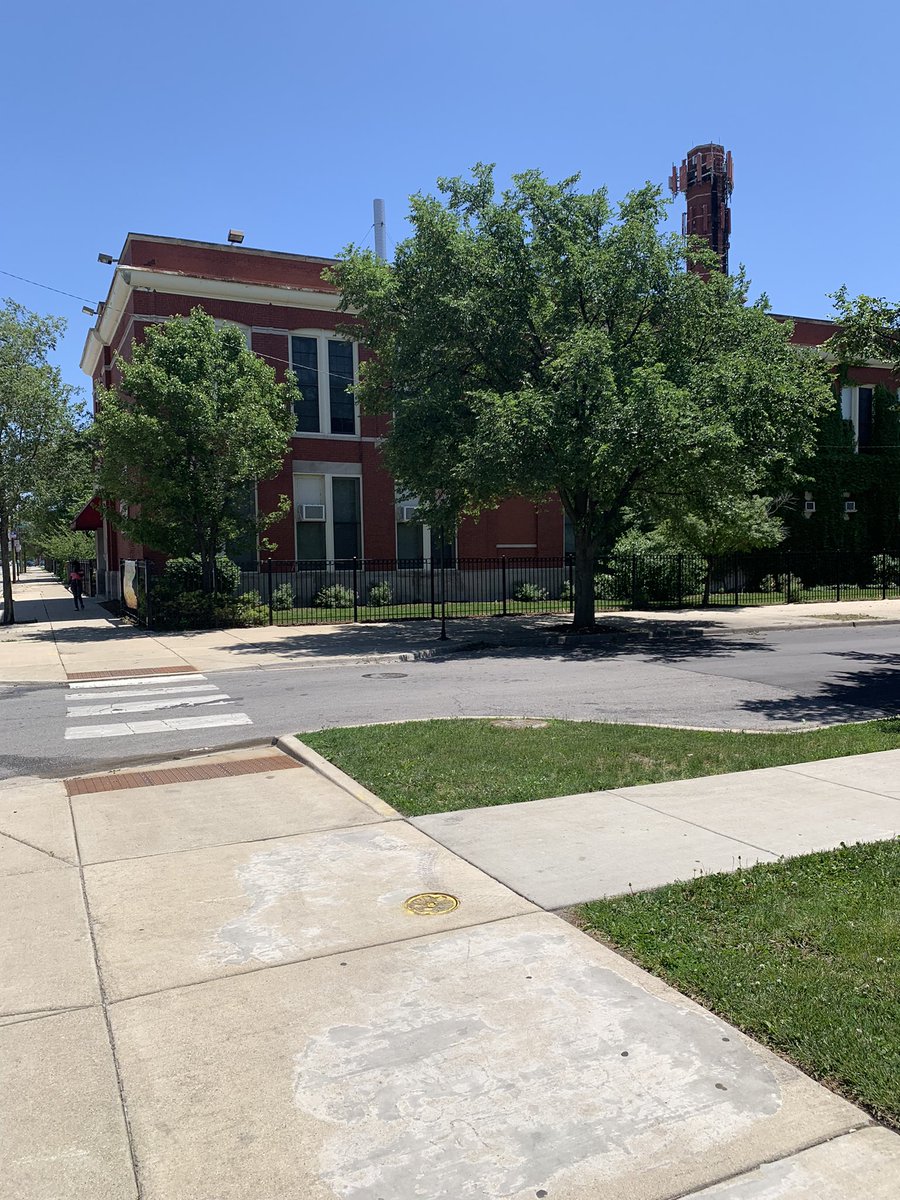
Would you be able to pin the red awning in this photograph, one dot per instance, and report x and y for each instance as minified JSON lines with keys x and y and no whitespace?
{"x":90,"y":517}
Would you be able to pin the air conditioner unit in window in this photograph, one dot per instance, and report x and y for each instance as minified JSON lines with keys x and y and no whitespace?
{"x":849,"y":506}
{"x":407,"y":512}
{"x":809,"y":506}
{"x":312,"y":512}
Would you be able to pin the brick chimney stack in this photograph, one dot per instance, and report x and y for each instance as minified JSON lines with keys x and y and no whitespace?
{"x":706,"y":177}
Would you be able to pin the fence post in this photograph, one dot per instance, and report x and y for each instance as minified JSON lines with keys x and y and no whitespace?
{"x":355,"y":586}
{"x":681,"y":581}
{"x":884,"y":575}
{"x":633,"y":580}
{"x":503,"y":574}
{"x":737,"y":586}
{"x":570,"y":563}
{"x":148,"y":592}
{"x":271,"y":597}
{"x":431,"y":570}
{"x":788,"y":582}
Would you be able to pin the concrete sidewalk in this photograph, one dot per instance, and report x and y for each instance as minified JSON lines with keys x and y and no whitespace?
{"x":571,"y":849}
{"x":237,"y":977}
{"x":61,"y":641}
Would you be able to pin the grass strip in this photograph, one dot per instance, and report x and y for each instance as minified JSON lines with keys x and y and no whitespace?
{"x":803,"y":955}
{"x":439,"y":766}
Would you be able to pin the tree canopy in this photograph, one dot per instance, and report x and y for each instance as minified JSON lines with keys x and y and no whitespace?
{"x":196,"y":421}
{"x":545,"y":341}
{"x":40,"y":419}
{"x":868,"y":328}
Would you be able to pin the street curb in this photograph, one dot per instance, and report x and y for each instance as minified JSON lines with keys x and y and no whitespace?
{"x":292,"y":746}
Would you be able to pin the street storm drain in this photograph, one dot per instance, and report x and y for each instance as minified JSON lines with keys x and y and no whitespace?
{"x":520,"y":723}
{"x":431,"y":904}
{"x":385,"y":675}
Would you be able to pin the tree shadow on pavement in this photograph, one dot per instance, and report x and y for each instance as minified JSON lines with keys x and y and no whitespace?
{"x":861,"y":695}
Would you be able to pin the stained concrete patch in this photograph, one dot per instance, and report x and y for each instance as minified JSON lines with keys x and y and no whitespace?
{"x":779,"y":809}
{"x":63,"y":1129}
{"x":500,"y":1061}
{"x":860,"y":1166}
{"x":211,"y":812}
{"x":181,"y":918}
{"x":45,"y":944}
{"x":36,"y":812}
{"x":571,"y":849}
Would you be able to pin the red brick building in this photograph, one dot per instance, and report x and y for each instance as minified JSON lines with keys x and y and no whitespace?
{"x":344,"y":502}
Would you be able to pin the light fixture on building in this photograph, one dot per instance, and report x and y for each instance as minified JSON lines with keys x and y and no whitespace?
{"x":88,"y":311}
{"x":107,"y":259}
{"x":235,"y":236}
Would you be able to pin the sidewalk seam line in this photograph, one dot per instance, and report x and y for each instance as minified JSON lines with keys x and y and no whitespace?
{"x":299,"y":962}
{"x":696,"y":824}
{"x":275,"y":837}
{"x":104,"y":1009}
{"x":56,"y":857}
{"x":833,"y":783}
{"x":765,"y":1162}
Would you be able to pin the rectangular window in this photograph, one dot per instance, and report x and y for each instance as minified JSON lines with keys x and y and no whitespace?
{"x":311,"y":513}
{"x":410,"y":543}
{"x":568,"y":534}
{"x":443,"y":550}
{"x":864,"y":418}
{"x":340,"y":377}
{"x":305,"y":361}
{"x":345,"y":517}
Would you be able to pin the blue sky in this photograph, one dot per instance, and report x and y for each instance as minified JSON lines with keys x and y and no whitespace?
{"x":286,"y":119}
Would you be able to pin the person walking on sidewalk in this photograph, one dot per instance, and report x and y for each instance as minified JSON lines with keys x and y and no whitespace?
{"x":76,"y":583}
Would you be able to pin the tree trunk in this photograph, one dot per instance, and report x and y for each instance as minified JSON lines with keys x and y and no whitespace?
{"x":208,"y":571}
{"x":9,"y":613}
{"x":585,"y":567}
{"x":707,"y":582}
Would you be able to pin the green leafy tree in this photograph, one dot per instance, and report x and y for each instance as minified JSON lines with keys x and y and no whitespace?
{"x":868,"y":327}
{"x":196,"y":420}
{"x":544,"y":342}
{"x":39,"y":419}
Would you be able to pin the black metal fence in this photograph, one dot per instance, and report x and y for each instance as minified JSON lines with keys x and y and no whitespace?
{"x":310,"y":593}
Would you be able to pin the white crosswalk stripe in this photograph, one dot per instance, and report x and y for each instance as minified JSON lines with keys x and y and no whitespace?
{"x":123,"y":696}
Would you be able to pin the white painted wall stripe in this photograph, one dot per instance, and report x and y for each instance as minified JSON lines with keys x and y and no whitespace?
{"x":173,"y":723}
{"x":122,"y":681}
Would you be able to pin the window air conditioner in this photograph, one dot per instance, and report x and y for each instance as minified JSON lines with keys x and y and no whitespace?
{"x":408,"y":512}
{"x":312,"y":512}
{"x":849,"y":506}
{"x":809,"y":506}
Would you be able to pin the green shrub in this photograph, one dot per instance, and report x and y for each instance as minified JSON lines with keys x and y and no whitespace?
{"x":770,"y":583}
{"x":335,"y":596}
{"x":567,"y":592}
{"x":531,"y":593}
{"x":380,"y":595}
{"x":183,"y":575}
{"x":283,"y":596}
{"x":886,"y":570}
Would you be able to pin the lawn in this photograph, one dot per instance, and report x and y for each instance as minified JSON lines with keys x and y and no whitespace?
{"x":803,"y":955}
{"x":438,"y":766}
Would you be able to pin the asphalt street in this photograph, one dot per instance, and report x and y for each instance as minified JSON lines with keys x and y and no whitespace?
{"x":764,"y":680}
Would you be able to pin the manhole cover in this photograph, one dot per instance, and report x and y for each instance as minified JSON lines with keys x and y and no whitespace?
{"x":520,"y":723}
{"x":385,"y":675}
{"x":431,"y":904}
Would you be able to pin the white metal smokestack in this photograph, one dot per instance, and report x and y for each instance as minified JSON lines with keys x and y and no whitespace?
{"x":380,"y":230}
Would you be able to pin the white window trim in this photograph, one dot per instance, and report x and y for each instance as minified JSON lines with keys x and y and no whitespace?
{"x":323,"y":337}
{"x":329,"y":510}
